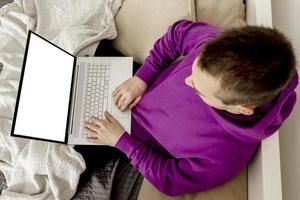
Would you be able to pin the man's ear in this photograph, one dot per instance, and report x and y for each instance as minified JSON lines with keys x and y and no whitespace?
{"x":246,"y":109}
{"x":188,"y":81}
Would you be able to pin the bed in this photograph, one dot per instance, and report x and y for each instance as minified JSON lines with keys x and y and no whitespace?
{"x":261,"y":180}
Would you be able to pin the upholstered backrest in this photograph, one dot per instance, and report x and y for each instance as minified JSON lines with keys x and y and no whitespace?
{"x":141,"y":22}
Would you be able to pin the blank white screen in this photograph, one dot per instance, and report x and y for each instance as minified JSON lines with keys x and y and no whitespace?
{"x":44,"y":100}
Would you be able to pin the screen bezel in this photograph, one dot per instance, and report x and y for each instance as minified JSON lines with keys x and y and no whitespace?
{"x":20,"y":89}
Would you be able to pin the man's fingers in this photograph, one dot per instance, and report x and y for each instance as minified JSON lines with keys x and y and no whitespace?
{"x":91,"y":126}
{"x":135,"y":102}
{"x":115,"y":91}
{"x":120,"y":101}
{"x":109,"y":117}
{"x":95,"y":120}
{"x":125,"y":104}
{"x":99,"y":122}
{"x":117,"y":97}
{"x":90,"y":133}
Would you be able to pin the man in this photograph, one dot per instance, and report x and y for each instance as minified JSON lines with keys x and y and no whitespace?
{"x":196,"y":123}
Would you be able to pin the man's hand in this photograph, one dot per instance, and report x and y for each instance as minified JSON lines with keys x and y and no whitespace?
{"x":104,"y":131}
{"x":129,"y":93}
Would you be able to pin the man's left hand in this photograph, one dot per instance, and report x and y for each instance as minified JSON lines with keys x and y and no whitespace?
{"x":104,"y":131}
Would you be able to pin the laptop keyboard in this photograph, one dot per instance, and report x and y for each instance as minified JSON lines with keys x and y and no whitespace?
{"x":96,"y":90}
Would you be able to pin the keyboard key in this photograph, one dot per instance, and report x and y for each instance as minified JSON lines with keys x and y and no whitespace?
{"x":96,"y":90}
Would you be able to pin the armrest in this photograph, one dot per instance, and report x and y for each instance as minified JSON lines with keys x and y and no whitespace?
{"x":264,"y":173}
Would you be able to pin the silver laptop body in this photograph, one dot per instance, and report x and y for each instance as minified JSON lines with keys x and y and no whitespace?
{"x":113,"y":72}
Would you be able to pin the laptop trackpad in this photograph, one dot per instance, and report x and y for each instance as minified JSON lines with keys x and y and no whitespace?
{"x":117,"y":113}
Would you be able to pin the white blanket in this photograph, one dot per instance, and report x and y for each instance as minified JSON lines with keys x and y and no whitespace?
{"x":36,"y":169}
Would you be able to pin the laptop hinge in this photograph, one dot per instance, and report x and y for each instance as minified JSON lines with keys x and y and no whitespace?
{"x":74,"y":94}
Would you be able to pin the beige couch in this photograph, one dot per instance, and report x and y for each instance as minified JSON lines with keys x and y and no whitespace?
{"x":140,"y":23}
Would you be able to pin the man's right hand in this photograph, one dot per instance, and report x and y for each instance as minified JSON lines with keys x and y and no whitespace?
{"x":129,"y":93}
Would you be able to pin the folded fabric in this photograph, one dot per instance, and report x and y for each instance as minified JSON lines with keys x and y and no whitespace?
{"x":35,"y":169}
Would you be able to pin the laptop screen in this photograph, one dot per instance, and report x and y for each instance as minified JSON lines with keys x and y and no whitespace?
{"x":43,"y":100}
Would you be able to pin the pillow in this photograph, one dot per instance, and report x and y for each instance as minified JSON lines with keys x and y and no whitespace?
{"x":140,"y":23}
{"x":222,"y":13}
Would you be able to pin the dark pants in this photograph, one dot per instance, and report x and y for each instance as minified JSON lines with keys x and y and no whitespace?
{"x":105,"y":49}
{"x":108,"y":174}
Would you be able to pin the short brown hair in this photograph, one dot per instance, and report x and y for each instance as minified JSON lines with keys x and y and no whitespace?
{"x":253,"y":63}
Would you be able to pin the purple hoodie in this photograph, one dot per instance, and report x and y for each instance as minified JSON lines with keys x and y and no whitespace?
{"x":178,"y":142}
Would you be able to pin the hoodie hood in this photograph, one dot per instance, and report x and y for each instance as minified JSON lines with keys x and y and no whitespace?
{"x":266,"y":119}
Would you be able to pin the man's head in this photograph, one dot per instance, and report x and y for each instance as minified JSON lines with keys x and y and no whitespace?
{"x":243,"y":68}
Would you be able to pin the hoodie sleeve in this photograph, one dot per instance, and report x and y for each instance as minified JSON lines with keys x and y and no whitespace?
{"x":180,"y":39}
{"x":171,"y":176}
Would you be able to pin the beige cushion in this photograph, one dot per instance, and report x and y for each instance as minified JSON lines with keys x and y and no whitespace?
{"x":236,"y":189}
{"x":222,"y":13}
{"x":140,"y":23}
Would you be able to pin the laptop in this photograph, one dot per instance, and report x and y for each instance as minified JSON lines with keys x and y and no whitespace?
{"x":58,"y":92}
